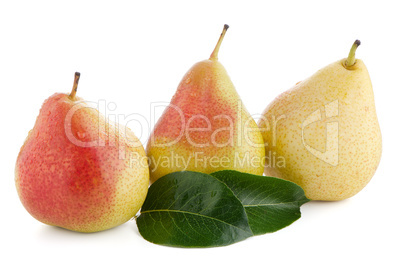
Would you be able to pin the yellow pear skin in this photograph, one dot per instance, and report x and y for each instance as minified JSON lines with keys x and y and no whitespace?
{"x":326,"y":130}
{"x":206,"y":127}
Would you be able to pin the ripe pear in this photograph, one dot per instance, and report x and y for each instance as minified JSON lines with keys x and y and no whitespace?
{"x":326,"y":130}
{"x":205,"y":128}
{"x":77,"y":171}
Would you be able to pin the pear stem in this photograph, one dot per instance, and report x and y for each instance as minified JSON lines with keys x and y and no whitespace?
{"x":75,"y":86}
{"x":214,"y":55}
{"x":351,"y":60}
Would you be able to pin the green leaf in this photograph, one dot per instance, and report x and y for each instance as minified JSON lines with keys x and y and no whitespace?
{"x":270,"y":203}
{"x":191,"y":209}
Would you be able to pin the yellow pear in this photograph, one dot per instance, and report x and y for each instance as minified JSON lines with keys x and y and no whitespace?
{"x":206,"y":127}
{"x":326,"y":131}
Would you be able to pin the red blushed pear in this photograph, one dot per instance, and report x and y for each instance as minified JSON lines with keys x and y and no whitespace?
{"x":206,"y":128}
{"x":77,"y":171}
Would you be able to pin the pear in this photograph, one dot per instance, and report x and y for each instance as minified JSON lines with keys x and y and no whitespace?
{"x":205,"y":128}
{"x":326,"y":131}
{"x":79,"y":172}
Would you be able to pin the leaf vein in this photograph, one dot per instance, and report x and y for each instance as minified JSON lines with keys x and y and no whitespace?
{"x":185,"y":212}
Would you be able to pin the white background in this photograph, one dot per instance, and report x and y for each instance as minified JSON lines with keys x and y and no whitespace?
{"x":133,"y":54}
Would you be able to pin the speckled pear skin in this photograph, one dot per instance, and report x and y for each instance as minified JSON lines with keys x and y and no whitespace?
{"x":80,"y":187}
{"x":205,"y":98}
{"x":353,"y":160}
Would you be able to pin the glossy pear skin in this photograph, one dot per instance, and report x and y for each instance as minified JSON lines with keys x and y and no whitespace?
{"x":80,"y":187}
{"x":205,"y":98}
{"x":344,"y":98}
